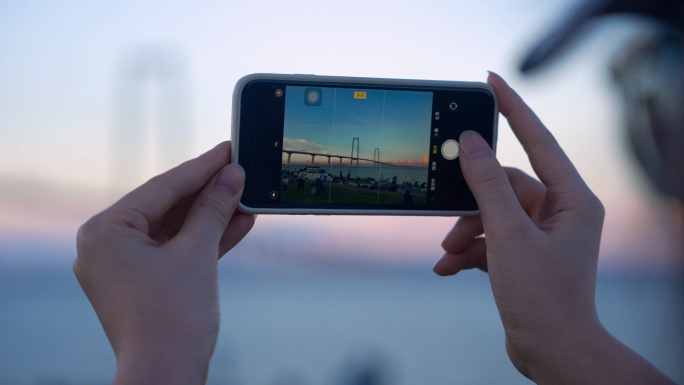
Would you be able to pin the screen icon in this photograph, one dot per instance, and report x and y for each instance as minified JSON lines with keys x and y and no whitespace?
{"x":313,"y":97}
{"x":278,"y":93}
{"x":273,"y":194}
{"x":453,"y":106}
{"x":434,"y":166}
{"x":437,"y":115}
{"x":359,"y":95}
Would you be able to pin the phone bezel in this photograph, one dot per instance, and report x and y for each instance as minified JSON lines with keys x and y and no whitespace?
{"x":235,"y":137}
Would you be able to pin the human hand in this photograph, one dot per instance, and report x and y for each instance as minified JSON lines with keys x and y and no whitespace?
{"x":541,"y":249}
{"x":148,"y":265}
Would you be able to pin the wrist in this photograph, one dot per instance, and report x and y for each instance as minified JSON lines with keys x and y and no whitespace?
{"x":571,"y":348}
{"x":160,"y":365}
{"x":585,"y":352}
{"x":553,"y":341}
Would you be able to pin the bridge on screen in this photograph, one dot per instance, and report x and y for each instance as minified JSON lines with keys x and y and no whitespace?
{"x":355,"y":141}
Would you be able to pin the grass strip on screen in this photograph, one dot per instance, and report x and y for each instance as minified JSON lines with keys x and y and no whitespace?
{"x":343,"y":194}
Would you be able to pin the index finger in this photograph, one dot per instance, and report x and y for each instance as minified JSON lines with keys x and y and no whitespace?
{"x":154,"y":198}
{"x":546,"y":156}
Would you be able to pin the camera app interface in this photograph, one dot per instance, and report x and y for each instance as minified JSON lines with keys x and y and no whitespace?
{"x":356,"y":146}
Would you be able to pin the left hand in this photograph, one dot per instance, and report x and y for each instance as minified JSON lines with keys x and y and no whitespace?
{"x":148,"y":265}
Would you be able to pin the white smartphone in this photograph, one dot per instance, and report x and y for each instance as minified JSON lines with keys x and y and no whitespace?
{"x":341,"y":145}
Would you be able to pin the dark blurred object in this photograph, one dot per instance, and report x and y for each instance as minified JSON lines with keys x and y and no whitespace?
{"x":670,"y":12}
{"x":367,"y":367}
{"x":650,"y":76}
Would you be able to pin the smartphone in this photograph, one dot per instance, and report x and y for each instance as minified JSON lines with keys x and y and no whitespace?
{"x":342,"y":145}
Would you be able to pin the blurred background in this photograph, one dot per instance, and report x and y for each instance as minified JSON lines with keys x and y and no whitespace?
{"x":97,"y":97}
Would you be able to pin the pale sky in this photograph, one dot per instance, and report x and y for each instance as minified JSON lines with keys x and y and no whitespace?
{"x":67,"y":70}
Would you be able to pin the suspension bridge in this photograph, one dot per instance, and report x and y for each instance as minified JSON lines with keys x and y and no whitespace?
{"x":376,"y":156}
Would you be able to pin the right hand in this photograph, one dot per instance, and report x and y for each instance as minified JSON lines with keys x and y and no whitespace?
{"x":541,"y":250}
{"x":542,"y":239}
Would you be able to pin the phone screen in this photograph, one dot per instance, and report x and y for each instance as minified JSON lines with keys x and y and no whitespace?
{"x":342,"y":146}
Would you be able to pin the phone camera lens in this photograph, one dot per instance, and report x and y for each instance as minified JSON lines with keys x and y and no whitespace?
{"x":278,"y":93}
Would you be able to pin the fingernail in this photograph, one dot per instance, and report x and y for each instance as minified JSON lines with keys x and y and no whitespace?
{"x":230,"y":179}
{"x":472,"y":144}
{"x":439,"y":270}
{"x":437,"y":263}
{"x":449,"y":234}
{"x":492,"y":76}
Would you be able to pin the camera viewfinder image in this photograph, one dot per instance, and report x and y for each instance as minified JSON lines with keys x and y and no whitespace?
{"x":355,"y":146}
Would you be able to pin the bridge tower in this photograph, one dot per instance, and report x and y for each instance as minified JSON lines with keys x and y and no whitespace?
{"x":151,"y":95}
{"x":355,"y":140}
{"x":377,"y":151}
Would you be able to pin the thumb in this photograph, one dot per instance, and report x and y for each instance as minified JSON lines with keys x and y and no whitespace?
{"x":214,"y":207}
{"x":499,"y":207}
